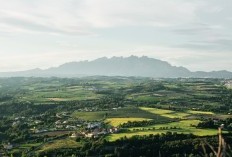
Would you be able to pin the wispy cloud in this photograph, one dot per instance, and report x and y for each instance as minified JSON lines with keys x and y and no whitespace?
{"x":70,"y":16}
{"x":50,"y":32}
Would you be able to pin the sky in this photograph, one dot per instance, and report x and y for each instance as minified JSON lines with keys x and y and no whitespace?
{"x":195,"y":34}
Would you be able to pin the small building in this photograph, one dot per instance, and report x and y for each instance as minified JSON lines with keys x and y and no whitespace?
{"x":58,"y":122}
{"x":89,"y":135}
{"x":74,"y":135}
{"x":15,"y":123}
{"x":92,"y":134}
{"x":70,"y":127}
{"x":8,"y":146}
{"x":113,"y":130}
{"x":65,"y":122}
{"x":93,"y":125}
{"x":37,"y":121}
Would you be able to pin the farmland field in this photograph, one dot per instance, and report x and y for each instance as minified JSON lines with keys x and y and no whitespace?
{"x":58,"y":144}
{"x":200,"y":112}
{"x":93,"y":114}
{"x":126,"y":112}
{"x":166,"y":113}
{"x":182,"y":126}
{"x":90,"y":115}
{"x":117,"y":121}
{"x":199,"y":132}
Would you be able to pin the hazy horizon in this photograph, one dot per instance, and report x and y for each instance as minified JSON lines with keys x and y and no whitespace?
{"x":47,"y":33}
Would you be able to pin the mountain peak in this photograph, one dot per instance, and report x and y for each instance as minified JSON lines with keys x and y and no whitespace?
{"x":120,"y":66}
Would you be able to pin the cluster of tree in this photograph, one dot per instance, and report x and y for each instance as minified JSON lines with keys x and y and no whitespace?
{"x":143,"y":123}
{"x":210,"y":123}
{"x":169,"y":144}
{"x":13,"y":88}
{"x":19,"y":108}
{"x":130,"y":124}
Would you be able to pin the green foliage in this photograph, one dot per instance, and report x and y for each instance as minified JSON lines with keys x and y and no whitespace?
{"x":144,"y":108}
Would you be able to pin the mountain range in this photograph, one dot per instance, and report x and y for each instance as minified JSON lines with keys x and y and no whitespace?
{"x":119,"y":66}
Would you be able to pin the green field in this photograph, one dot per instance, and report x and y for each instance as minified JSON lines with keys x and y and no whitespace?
{"x":64,"y":94}
{"x":60,"y":144}
{"x":27,"y":146}
{"x":136,"y":106}
{"x":165,"y":113}
{"x":99,"y":115}
{"x":162,"y":116}
{"x":126,"y":112}
{"x":184,"y":126}
{"x":147,"y":98}
{"x":117,"y":121}
{"x":199,"y":132}
{"x":200,"y":112}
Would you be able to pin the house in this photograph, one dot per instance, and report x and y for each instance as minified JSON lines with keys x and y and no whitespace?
{"x":59,"y":126}
{"x":93,"y":125}
{"x":15,"y":123}
{"x":58,"y":115}
{"x":8,"y":146}
{"x":41,"y":131}
{"x":89,"y":135}
{"x":113,"y":130}
{"x":103,"y":132}
{"x":74,"y":135}
{"x":65,"y":122}
{"x":70,"y":127}
{"x":58,"y":122}
{"x":33,"y":130}
{"x":37,"y":121}
{"x":93,"y":134}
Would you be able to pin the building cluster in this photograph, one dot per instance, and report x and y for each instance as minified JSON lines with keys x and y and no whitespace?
{"x":94,"y":130}
{"x":228,"y":83}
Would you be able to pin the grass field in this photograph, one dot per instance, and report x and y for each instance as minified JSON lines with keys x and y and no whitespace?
{"x":114,"y":100}
{"x":28,"y":146}
{"x":24,"y":147}
{"x":60,"y":144}
{"x":165,"y":113}
{"x":147,"y":98}
{"x":135,"y":112}
{"x":200,"y":112}
{"x":117,"y":121}
{"x":184,"y":126}
{"x":126,"y":112}
{"x":163,"y":117}
{"x":199,"y":132}
{"x":174,"y":114}
{"x":99,"y":115}
{"x":53,"y":133}
{"x":59,"y":93}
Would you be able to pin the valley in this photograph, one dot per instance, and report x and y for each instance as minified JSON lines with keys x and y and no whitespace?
{"x":82,"y":116}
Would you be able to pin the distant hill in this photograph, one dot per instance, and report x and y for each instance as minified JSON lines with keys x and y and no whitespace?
{"x":119,"y":66}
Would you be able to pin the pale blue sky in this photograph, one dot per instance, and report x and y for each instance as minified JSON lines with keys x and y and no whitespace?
{"x":44,"y":33}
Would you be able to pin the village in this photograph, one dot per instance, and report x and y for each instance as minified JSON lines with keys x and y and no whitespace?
{"x":59,"y":125}
{"x":228,"y":84}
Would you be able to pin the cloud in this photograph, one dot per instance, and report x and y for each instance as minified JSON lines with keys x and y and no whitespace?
{"x":194,"y":29}
{"x":110,"y":13}
{"x":211,"y":30}
{"x":70,"y":16}
{"x":51,"y":32}
{"x":26,"y":18}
